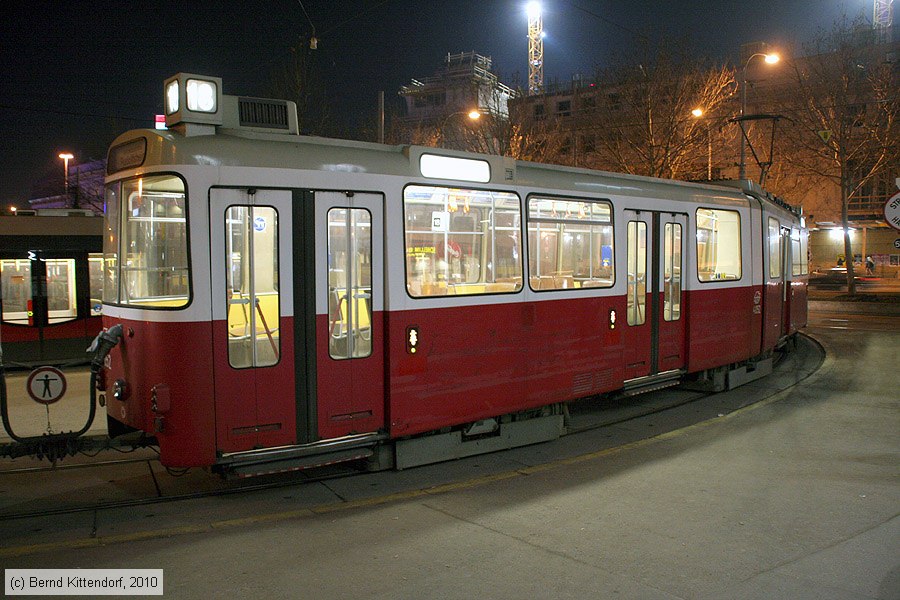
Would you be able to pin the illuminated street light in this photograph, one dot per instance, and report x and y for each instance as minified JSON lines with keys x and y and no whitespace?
{"x":66,"y":156}
{"x":770,"y":59}
{"x":446,"y":123}
{"x":697,"y":112}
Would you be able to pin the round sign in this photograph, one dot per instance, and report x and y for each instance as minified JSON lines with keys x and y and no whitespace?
{"x":892,"y":211}
{"x":46,"y":385}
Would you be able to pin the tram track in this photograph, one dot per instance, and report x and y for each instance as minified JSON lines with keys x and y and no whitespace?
{"x":310,"y":478}
{"x":243,"y":488}
{"x":70,"y":466}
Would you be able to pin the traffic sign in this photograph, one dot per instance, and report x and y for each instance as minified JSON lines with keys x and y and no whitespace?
{"x":892,"y":211}
{"x":46,"y":385}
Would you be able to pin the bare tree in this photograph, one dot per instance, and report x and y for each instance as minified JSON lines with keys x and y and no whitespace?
{"x":643,"y":121}
{"x":298,"y":80}
{"x":845,"y":115}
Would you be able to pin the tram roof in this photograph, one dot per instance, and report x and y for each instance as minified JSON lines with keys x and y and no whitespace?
{"x":241,"y":148}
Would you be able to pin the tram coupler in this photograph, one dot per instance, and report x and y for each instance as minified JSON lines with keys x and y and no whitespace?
{"x":102,"y":345}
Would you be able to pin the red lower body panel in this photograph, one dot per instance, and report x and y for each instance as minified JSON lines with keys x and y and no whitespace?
{"x":179,"y":355}
{"x":478,"y":362}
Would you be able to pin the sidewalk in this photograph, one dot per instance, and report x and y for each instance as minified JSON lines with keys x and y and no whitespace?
{"x":874,"y":296}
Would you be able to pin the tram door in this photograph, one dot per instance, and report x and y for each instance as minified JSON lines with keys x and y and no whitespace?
{"x":777,"y":305}
{"x":349,"y":313}
{"x":252,"y":274}
{"x":654,"y":320}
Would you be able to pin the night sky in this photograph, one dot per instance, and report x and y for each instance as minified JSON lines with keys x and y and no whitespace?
{"x":77,"y":73}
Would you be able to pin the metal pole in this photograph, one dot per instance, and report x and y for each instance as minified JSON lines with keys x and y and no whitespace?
{"x":709,"y":152}
{"x":381,"y":117}
{"x":742,"y":166}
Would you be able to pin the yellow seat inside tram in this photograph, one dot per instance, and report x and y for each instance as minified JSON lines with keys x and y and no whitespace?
{"x":239,"y":319}
{"x":339,"y":317}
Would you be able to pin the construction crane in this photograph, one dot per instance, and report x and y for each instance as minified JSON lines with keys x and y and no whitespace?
{"x":882,"y":20}
{"x":535,"y":49}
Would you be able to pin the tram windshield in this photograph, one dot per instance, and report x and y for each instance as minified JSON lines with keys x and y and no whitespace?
{"x":145,"y":251}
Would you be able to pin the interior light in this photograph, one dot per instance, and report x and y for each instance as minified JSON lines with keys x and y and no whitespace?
{"x":837,"y":234}
{"x":451,"y":167}
{"x":201,"y":95}
{"x":172,"y":97}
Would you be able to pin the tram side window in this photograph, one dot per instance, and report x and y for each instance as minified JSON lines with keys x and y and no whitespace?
{"x":462,"y":241}
{"x":570,"y":244}
{"x":15,"y":285}
{"x":111,"y":224}
{"x":252,"y":296}
{"x":349,"y":283}
{"x":799,"y":257}
{"x":672,"y":272}
{"x":718,"y":244}
{"x":637,"y":272}
{"x":145,"y":250}
{"x":774,"y":248}
{"x":95,"y":274}
{"x":61,"y":305}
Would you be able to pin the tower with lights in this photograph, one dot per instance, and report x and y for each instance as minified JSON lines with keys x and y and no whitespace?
{"x":535,"y":49}
{"x":882,"y":20}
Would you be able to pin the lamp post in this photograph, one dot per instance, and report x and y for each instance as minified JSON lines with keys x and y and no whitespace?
{"x":473,"y":115}
{"x":698,"y":113}
{"x":66,"y":156}
{"x":770,"y":59}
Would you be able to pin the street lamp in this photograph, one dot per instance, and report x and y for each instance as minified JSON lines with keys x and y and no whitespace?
{"x":698,"y":112}
{"x":473,"y":115}
{"x":66,"y":156}
{"x":770,"y":59}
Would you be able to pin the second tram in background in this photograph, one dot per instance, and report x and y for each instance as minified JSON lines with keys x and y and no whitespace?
{"x":50,"y":281}
{"x":281,"y":301}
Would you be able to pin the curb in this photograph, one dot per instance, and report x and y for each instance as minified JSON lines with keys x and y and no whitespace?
{"x":855,"y":308}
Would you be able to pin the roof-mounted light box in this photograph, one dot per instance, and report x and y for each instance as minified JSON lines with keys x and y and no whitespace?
{"x":193,"y":99}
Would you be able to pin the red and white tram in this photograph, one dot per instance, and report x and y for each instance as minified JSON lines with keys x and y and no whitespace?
{"x":294,"y":300}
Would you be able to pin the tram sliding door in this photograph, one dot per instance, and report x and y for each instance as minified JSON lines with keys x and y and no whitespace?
{"x":349,"y":313}
{"x":654,"y":326}
{"x":252,"y":271}
{"x":776,"y":306}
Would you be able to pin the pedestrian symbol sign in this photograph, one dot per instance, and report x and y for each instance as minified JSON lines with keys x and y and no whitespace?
{"x":46,"y":385}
